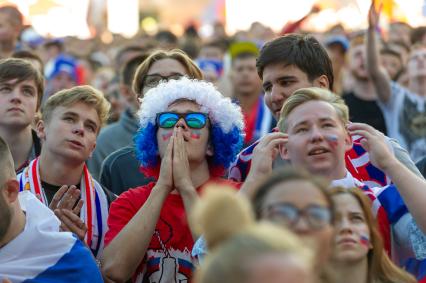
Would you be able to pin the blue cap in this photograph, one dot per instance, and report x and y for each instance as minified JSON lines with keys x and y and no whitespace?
{"x":62,"y":63}
{"x":337,"y":39}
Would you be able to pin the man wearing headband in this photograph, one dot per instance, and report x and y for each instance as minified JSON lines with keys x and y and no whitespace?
{"x":189,"y":134}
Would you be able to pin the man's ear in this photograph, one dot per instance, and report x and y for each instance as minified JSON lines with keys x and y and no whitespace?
{"x":11,"y":190}
{"x":284,"y":152}
{"x":41,"y":130}
{"x":322,"y":82}
{"x":93,"y":149}
{"x":348,"y":141}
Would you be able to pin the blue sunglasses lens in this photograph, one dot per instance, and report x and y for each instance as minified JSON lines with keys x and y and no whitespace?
{"x":167,"y":120}
{"x":193,"y":120}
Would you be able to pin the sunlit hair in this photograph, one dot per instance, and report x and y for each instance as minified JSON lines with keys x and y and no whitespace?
{"x":380,"y":267}
{"x":287,"y":174}
{"x":191,"y":68}
{"x":226,"y":123}
{"x":85,"y":94}
{"x":304,"y":95}
{"x":235,"y":241}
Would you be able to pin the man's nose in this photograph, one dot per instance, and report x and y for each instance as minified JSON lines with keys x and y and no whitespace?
{"x":316,"y":134}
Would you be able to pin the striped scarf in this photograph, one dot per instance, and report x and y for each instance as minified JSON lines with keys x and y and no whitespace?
{"x":94,"y":212}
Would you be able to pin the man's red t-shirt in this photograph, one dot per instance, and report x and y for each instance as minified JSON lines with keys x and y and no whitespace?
{"x":168,"y":257}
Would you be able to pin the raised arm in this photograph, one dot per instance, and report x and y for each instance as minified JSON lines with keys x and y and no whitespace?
{"x":411,"y":187}
{"x":378,"y":75}
{"x":126,"y":251}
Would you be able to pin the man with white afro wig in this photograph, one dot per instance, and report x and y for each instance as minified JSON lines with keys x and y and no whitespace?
{"x":188,"y":136}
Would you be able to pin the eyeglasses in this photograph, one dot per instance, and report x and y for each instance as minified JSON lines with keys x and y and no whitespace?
{"x":154,"y":80}
{"x":194,"y":120}
{"x":285,"y":213}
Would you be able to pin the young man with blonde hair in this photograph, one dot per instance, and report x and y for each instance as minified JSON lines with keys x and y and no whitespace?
{"x":71,"y":120}
{"x":316,"y":134}
{"x":31,"y":247}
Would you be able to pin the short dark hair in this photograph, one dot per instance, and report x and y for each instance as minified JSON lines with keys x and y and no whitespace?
{"x":417,"y":34}
{"x":16,"y":68}
{"x":302,"y":51}
{"x":128,"y":71}
{"x":127,"y":49}
{"x":166,"y":36}
{"x":26,"y":54}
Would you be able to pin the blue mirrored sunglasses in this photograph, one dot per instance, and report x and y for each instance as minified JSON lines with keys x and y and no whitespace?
{"x":194,"y":120}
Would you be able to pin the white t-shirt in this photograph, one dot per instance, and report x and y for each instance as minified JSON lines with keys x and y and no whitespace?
{"x":405,"y":117}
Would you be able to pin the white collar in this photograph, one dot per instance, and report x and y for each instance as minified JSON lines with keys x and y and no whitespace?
{"x":347,"y":182}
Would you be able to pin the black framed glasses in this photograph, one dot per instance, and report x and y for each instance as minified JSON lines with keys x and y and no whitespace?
{"x":194,"y":120}
{"x":153,"y":80}
{"x":316,"y":216}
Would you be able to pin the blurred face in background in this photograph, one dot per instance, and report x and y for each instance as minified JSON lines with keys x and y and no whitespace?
{"x":392,"y":64}
{"x":357,"y":63}
{"x":301,"y":207}
{"x":244,"y":77}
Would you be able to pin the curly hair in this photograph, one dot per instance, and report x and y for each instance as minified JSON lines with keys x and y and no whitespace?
{"x":226,"y":130}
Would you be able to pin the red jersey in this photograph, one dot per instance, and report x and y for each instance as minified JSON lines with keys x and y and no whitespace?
{"x":168,"y":257}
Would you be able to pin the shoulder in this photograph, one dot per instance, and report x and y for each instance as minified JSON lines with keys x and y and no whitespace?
{"x":109,"y":130}
{"x":121,"y":155}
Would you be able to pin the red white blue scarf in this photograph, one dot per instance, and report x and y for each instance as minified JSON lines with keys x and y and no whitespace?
{"x":94,"y":212}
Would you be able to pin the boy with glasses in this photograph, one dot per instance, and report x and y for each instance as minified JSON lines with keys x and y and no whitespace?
{"x":189,"y":133}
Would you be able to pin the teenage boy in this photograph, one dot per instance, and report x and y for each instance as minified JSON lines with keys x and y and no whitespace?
{"x":21,"y":90}
{"x":59,"y":177}
{"x":296,"y":61}
{"x":315,"y":133}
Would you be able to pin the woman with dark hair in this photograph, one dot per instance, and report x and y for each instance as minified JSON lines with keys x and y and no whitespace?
{"x":358,"y":254}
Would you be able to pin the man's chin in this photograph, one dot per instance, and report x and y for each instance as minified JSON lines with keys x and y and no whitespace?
{"x":320,"y":170}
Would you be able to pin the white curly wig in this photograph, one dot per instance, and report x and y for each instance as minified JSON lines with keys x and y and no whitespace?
{"x":226,"y":119}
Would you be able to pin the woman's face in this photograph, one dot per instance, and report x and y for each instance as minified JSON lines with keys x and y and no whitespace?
{"x":352,"y":240}
{"x":301,"y":207}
